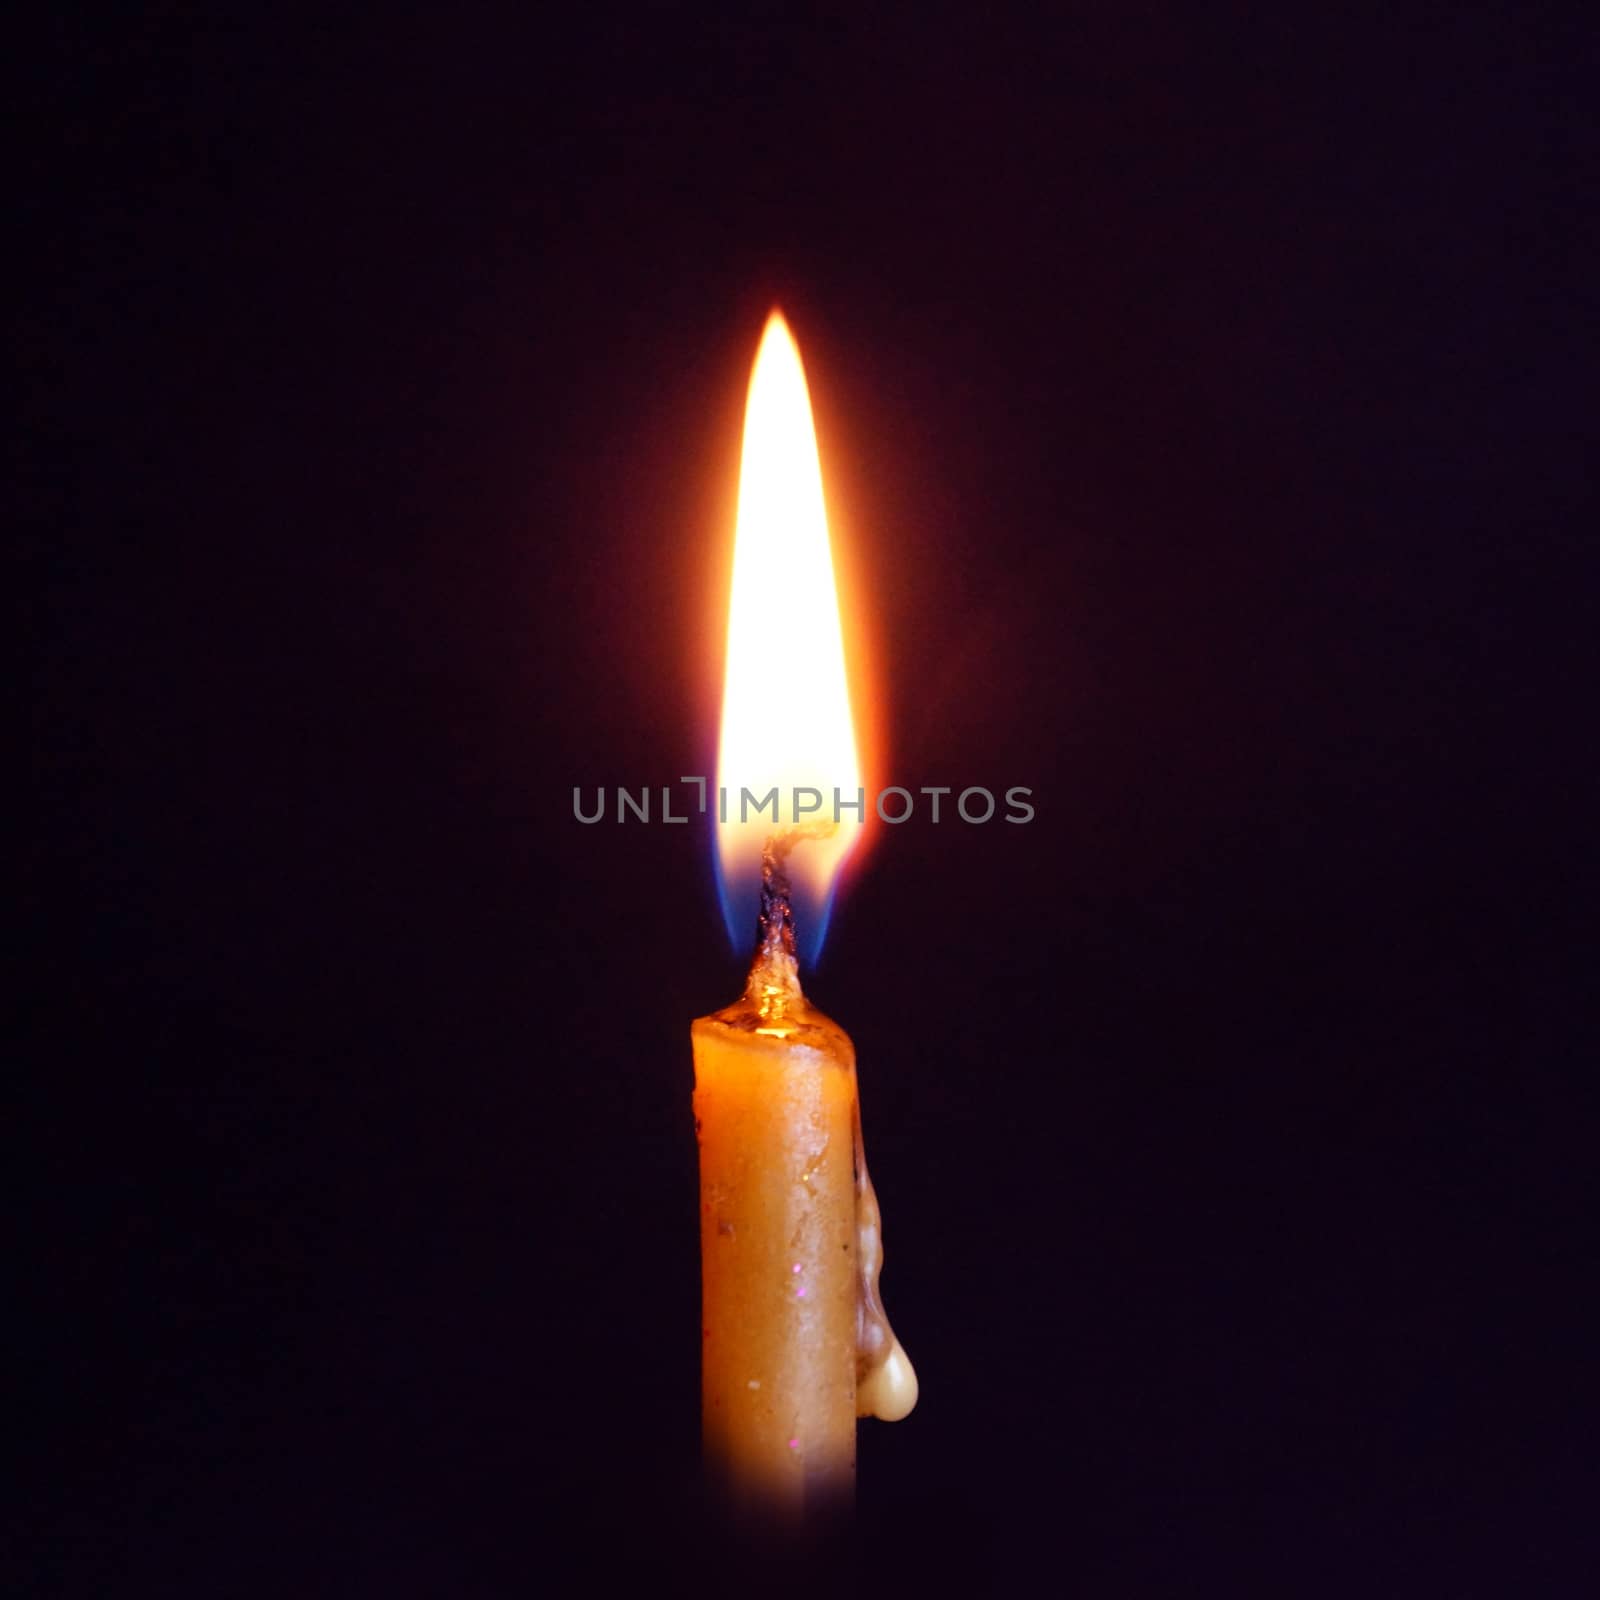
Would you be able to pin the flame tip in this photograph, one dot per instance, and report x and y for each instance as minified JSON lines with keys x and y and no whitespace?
{"x":777,"y":329}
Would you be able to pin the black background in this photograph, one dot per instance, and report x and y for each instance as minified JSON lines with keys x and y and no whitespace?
{"x":1204,"y":401}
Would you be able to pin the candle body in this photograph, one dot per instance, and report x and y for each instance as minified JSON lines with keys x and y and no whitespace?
{"x":775,"y":1115}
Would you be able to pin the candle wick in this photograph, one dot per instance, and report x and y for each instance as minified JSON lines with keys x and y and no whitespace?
{"x":774,"y":981}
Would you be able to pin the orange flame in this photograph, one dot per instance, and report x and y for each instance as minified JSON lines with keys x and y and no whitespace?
{"x":786,"y":722}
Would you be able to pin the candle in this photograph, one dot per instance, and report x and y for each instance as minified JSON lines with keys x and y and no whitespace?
{"x":794,"y":1342}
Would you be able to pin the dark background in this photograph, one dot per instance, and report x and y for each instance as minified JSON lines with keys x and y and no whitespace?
{"x":1204,"y":399}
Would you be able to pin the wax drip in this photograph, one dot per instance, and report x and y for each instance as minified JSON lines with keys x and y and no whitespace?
{"x":886,"y":1382}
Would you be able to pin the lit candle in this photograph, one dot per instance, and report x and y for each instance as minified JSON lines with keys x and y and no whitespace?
{"x":795,"y":1343}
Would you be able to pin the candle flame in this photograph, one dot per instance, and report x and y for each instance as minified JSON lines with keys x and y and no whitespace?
{"x":786,"y":722}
